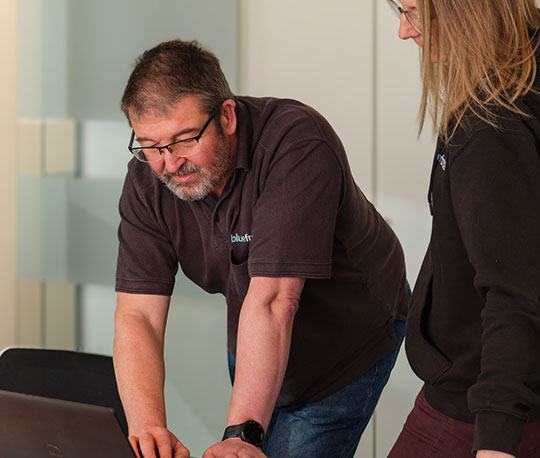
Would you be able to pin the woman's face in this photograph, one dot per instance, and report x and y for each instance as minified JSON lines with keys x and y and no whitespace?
{"x":406,"y":30}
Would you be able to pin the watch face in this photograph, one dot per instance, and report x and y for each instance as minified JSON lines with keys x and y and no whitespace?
{"x":252,"y":432}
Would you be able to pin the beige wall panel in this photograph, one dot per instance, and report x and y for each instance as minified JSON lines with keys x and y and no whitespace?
{"x":29,"y":146}
{"x":31,"y":62}
{"x":60,"y":144}
{"x":29,"y":312}
{"x":60,"y":316}
{"x":8,"y":172}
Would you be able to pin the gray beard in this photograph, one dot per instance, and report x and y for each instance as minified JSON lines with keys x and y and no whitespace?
{"x":207,"y":181}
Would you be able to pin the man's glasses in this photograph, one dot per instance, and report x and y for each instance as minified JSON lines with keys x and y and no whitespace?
{"x":181,"y":148}
{"x":412,"y":18}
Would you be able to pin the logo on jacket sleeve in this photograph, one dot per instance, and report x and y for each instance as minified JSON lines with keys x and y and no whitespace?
{"x":235,"y":238}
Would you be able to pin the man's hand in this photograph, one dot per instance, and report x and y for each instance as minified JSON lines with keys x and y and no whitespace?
{"x":492,"y":454}
{"x":157,"y":442}
{"x":233,"y":448}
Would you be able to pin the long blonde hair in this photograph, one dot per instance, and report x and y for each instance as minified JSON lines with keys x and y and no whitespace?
{"x":476,"y":54}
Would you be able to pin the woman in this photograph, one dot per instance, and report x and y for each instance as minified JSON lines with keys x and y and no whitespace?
{"x":473,"y":333}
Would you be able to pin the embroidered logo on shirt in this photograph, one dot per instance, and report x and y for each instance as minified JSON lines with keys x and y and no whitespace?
{"x":442,"y":161}
{"x":235,"y":238}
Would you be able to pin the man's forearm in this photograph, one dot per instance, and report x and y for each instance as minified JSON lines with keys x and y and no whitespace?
{"x":264,"y":337}
{"x":139,"y":367}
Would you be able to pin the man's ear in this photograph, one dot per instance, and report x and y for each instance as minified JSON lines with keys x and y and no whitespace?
{"x":227,"y":116}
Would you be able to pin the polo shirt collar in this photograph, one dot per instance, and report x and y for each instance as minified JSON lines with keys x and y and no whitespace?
{"x":244,"y":131}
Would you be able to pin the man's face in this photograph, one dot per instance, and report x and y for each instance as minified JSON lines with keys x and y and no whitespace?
{"x":198,"y":175}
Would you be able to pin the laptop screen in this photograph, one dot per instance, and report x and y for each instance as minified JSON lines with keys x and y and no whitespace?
{"x":35,"y":427}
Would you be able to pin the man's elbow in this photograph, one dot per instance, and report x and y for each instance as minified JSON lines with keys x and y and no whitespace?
{"x":285,"y":308}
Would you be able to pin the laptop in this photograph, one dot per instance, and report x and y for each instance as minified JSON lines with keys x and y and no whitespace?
{"x":36,"y":427}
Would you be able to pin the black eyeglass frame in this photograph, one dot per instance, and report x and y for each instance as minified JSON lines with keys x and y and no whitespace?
{"x":408,"y":15}
{"x":168,"y":147}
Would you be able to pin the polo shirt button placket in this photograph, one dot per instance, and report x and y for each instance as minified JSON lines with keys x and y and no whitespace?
{"x":219,"y":238}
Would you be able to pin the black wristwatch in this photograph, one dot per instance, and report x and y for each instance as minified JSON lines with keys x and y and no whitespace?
{"x":250,"y":432}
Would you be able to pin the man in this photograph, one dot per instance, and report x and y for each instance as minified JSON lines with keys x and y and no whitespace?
{"x":254,"y":198}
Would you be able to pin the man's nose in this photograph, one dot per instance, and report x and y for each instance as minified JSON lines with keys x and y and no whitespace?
{"x":172,"y":162}
{"x":406,"y":30}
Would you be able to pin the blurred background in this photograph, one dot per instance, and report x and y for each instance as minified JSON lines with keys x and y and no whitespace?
{"x":65,"y":64}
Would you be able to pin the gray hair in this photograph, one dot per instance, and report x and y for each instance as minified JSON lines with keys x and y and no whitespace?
{"x":170,"y":71}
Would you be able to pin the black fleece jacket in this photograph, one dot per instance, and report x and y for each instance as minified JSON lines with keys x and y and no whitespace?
{"x":473,"y":332}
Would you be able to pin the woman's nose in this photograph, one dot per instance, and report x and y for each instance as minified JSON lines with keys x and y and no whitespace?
{"x":406,"y":30}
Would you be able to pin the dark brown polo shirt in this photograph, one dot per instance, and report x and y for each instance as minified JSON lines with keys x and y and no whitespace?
{"x":290,"y":209}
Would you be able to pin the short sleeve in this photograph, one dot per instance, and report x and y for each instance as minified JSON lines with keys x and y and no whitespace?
{"x":295,"y":215}
{"x":147,"y":262}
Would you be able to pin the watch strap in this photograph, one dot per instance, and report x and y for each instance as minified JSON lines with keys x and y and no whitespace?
{"x":250,"y":431}
{"x":232,"y":431}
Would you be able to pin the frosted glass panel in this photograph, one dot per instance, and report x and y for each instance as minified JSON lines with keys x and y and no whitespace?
{"x":103,"y":148}
{"x":74,"y":61}
{"x":68,"y":228}
{"x":106,"y":36}
{"x":75,"y":56}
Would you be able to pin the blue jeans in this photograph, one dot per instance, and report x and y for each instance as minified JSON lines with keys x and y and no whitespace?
{"x":333,"y":426}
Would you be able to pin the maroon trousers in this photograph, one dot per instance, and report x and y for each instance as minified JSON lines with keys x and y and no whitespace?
{"x":428,"y":433}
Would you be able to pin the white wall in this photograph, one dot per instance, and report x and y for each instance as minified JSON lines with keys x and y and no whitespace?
{"x":345,"y":59}
{"x":403,"y":168}
{"x":319,"y":52}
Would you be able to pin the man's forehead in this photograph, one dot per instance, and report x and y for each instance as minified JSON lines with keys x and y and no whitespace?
{"x":187,"y":107}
